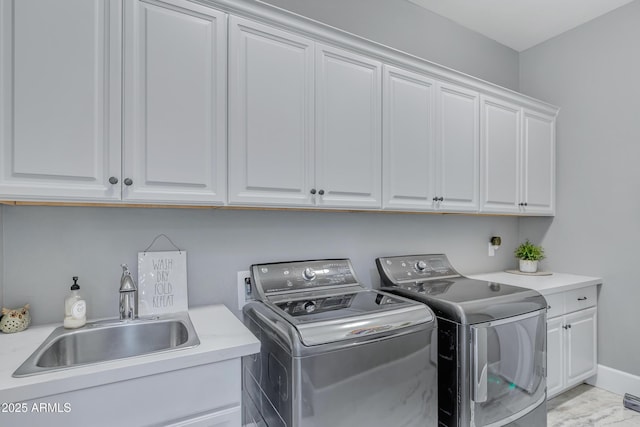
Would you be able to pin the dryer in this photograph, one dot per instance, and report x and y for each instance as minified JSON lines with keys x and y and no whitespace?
{"x":491,"y":342}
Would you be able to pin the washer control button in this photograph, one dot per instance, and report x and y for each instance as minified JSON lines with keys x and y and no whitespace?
{"x":308,"y":274}
{"x":421,"y":265}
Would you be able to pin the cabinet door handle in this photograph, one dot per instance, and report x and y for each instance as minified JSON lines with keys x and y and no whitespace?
{"x":435,"y":199}
{"x":128,"y":181}
{"x":520,"y":204}
{"x":441,"y":199}
{"x":582,"y":299}
{"x":525,"y":203}
{"x":113,"y":180}
{"x":313,"y":191}
{"x":321,"y":192}
{"x":567,"y":326}
{"x":548,"y":307}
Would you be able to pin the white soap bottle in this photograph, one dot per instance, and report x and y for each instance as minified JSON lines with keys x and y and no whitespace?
{"x":75,"y":308}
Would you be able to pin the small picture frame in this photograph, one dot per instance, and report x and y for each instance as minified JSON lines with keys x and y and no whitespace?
{"x":162,"y":282}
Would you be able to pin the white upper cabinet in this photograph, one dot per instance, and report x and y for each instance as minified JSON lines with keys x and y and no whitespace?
{"x":430,"y":155}
{"x":174,"y":103}
{"x":538,"y":186}
{"x":304,"y":125}
{"x":457,"y":149}
{"x":60,"y":99}
{"x":409,"y":155}
{"x":62,"y":106}
{"x":271,"y":115}
{"x":517,"y":160}
{"x":348,"y":129}
{"x":500,"y":156}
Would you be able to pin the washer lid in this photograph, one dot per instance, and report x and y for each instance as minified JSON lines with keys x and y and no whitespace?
{"x":347,"y":316}
{"x":324,"y":302}
{"x":432,"y":280}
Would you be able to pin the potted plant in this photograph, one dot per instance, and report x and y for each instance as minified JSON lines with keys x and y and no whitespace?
{"x":529,"y":255}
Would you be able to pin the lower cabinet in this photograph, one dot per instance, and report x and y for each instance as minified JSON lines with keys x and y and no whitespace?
{"x":571,"y":339}
{"x":227,"y":418}
{"x":206,"y":395}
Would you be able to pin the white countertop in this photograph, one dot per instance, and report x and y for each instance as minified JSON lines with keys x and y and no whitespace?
{"x":222,"y":336}
{"x":546,"y":285}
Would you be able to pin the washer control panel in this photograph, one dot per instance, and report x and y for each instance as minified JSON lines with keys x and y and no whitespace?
{"x":299,"y":276}
{"x":414,"y":268}
{"x":319,"y":305}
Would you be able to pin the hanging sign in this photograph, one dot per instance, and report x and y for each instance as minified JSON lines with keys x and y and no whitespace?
{"x":162,"y":282}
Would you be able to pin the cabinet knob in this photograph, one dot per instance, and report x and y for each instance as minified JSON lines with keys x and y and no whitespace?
{"x":113,"y":180}
{"x":441,"y":199}
{"x":548,"y":307}
{"x":520,"y":204}
{"x":128,"y":181}
{"x":321,"y":192}
{"x":435,"y":199}
{"x":525,"y":203}
{"x":313,"y":191}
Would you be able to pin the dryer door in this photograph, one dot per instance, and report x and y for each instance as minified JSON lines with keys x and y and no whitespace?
{"x":508,"y":365}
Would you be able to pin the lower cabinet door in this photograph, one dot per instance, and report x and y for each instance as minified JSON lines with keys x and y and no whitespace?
{"x":581,"y":345}
{"x":555,"y":356}
{"x":228,"y":418}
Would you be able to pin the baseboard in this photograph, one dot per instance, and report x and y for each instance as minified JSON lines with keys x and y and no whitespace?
{"x":616,"y":381}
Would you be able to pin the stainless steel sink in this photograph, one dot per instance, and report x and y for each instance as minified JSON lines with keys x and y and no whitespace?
{"x":109,"y":340}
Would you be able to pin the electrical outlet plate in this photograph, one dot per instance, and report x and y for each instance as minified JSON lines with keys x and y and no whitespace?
{"x":243,"y":297}
{"x":492,"y":250}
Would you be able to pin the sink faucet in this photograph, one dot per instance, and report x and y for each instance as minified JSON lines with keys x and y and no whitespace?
{"x":128,"y":295}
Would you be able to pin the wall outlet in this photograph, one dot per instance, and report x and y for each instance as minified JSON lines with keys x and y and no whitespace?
{"x":244,"y":288}
{"x":492,"y":250}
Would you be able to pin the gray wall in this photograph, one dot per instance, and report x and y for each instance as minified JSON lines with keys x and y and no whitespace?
{"x":592,"y":73}
{"x":415,"y":30}
{"x":46,"y":246}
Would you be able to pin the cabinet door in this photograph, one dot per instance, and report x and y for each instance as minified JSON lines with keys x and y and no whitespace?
{"x":227,"y":418}
{"x":271,"y":105}
{"x":500,"y":156}
{"x":555,"y":356}
{"x":458,"y":148}
{"x":581,"y":349}
{"x":348,"y":131}
{"x":60,"y":99}
{"x":408,"y":140}
{"x":174,"y":102}
{"x":538,"y":159}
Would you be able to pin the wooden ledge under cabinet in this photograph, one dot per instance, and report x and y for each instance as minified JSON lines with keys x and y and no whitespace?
{"x":247,"y":208}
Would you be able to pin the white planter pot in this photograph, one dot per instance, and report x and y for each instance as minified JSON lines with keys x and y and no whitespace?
{"x":528,"y":266}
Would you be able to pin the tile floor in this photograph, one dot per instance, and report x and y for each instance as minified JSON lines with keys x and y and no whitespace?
{"x":587,"y":406}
